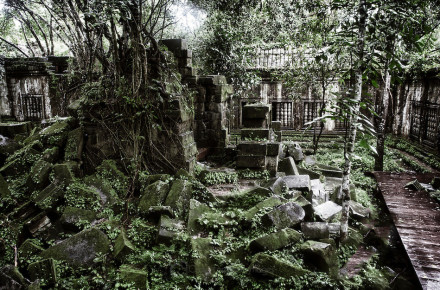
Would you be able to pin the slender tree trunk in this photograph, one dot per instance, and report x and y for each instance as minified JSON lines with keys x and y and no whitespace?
{"x":381,"y":129}
{"x":354,"y":114}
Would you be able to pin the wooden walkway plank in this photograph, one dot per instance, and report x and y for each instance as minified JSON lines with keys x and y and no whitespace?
{"x":417,"y":219}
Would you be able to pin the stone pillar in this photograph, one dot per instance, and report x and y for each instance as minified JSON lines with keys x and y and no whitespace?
{"x":5,"y":109}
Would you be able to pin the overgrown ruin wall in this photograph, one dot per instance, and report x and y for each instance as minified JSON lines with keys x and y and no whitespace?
{"x":25,"y":87}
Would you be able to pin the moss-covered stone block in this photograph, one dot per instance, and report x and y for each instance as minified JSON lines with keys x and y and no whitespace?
{"x":275,"y":241}
{"x":204,"y":266}
{"x":168,"y":229}
{"x":39,"y":175}
{"x":146,"y":180}
{"x":179,"y":196}
{"x":55,"y":134}
{"x":196,"y":210}
{"x":123,"y":247}
{"x":49,"y":197}
{"x":138,"y":277}
{"x":29,"y":248}
{"x":80,"y":249}
{"x":73,"y":218}
{"x":63,"y":173}
{"x":283,"y":216}
{"x":277,"y":185}
{"x":43,"y":270}
{"x":269,"y":266}
{"x":38,"y":224}
{"x":11,"y":278}
{"x":51,"y":155}
{"x":153,"y":195}
{"x":4,"y":188}
{"x":265,"y":204}
{"x":75,"y":144}
{"x":109,"y":170}
{"x":320,"y":256}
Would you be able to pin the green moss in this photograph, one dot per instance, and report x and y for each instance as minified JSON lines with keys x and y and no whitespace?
{"x":267,"y":265}
{"x":74,"y":145}
{"x":154,"y":194}
{"x":276,"y":240}
{"x":44,"y":270}
{"x":123,"y":247}
{"x":137,"y":278}
{"x":80,"y":249}
{"x":39,"y":174}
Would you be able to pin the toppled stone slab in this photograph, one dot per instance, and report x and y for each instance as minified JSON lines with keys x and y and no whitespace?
{"x":321,"y":256}
{"x":299,"y":182}
{"x":204,"y":266}
{"x":277,"y":185}
{"x":29,"y":248}
{"x":358,"y":211}
{"x":43,"y":270}
{"x":11,"y":278}
{"x":196,"y":210}
{"x":268,"y":266}
{"x":286,"y":215}
{"x":137,"y":277}
{"x":329,"y":171}
{"x":267,"y":203}
{"x":72,"y":216}
{"x":288,"y":166}
{"x":64,"y":173}
{"x":39,"y":175}
{"x":51,"y":155}
{"x":168,"y":229}
{"x":327,"y":211}
{"x":38,"y":224}
{"x":179,"y":196}
{"x":11,"y":129}
{"x":123,"y":247}
{"x":75,"y":144}
{"x":80,"y":249}
{"x":49,"y":197}
{"x":275,"y":241}
{"x":311,"y":173}
{"x":320,"y":230}
{"x":305,"y":204}
{"x":153,"y":195}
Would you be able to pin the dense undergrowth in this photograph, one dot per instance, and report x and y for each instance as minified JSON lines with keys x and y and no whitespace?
{"x":161,"y":256}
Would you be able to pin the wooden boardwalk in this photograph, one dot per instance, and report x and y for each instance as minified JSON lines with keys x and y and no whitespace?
{"x":417,"y":219}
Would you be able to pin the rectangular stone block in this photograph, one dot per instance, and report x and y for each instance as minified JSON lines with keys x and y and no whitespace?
{"x":272,"y":164}
{"x":251,"y":161}
{"x":255,"y":134}
{"x":252,"y":111}
{"x":255,"y":123}
{"x":273,"y":149}
{"x":251,"y":149}
{"x":300,"y":182}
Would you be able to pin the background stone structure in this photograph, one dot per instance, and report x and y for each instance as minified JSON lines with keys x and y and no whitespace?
{"x":26,"y":91}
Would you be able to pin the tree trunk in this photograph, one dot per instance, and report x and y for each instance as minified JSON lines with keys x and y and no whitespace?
{"x":353,"y":119}
{"x":381,"y":129}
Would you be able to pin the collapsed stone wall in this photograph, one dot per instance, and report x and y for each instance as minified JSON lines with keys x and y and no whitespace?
{"x":212,"y":97}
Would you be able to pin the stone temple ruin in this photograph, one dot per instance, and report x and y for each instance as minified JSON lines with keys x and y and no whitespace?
{"x":234,"y":201}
